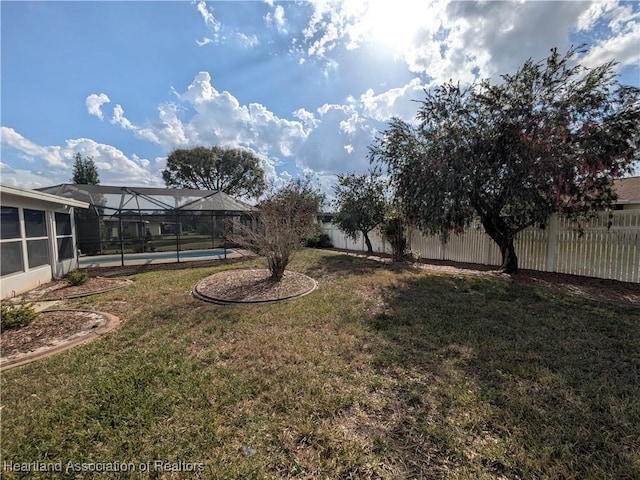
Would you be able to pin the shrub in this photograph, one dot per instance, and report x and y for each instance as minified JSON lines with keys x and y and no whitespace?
{"x":77,"y":277}
{"x":393,"y":230}
{"x":321,"y":241}
{"x":17,"y":315}
{"x":283,"y":220}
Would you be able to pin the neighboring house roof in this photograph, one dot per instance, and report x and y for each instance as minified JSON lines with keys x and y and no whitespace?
{"x":147,"y":198}
{"x":628,"y":189}
{"x":40,"y":196}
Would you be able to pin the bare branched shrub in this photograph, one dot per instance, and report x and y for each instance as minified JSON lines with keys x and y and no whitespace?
{"x":284,"y":220}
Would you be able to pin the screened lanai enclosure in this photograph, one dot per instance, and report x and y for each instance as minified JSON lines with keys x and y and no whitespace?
{"x":139,"y":220}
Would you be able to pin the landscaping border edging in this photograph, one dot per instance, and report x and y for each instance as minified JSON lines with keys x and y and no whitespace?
{"x":111,"y":323}
{"x":126,"y":283}
{"x":222,"y":301}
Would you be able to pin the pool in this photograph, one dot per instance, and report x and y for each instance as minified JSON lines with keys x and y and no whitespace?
{"x":155,"y":257}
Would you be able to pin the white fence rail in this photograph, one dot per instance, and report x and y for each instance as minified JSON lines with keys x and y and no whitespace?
{"x":608,"y":247}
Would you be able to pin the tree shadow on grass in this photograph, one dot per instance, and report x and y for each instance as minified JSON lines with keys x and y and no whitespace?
{"x":504,"y":379}
{"x":344,"y":264}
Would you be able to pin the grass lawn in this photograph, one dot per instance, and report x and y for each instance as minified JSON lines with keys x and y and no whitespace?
{"x":382,"y":372}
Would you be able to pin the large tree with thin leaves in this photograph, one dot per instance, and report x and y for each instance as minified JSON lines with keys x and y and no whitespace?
{"x":233,"y":171}
{"x":360,"y":204}
{"x":550,"y":138}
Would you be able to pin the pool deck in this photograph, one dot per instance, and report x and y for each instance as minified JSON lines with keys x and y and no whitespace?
{"x":159,"y":257}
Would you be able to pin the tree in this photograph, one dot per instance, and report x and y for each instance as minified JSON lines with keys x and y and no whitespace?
{"x":230,"y":170}
{"x":394,"y":230}
{"x":550,"y":138}
{"x":284,"y":220}
{"x":89,"y":225}
{"x":360,"y":204}
{"x":84,"y":171}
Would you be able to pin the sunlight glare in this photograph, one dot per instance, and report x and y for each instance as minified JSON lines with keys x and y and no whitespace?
{"x":394,"y":24}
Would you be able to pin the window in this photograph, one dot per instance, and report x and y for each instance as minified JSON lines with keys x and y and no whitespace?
{"x":10,"y":220}
{"x":10,"y":251}
{"x":34,"y":223}
{"x":63,"y":236}
{"x":65,"y":248}
{"x":63,"y":224}
{"x":38,"y":252}
{"x":35,"y":227}
{"x":11,"y":257}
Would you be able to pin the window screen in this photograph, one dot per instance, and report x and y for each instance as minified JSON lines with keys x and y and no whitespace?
{"x":38,"y":252}
{"x":10,"y":227}
{"x":11,"y":256}
{"x":65,"y":248}
{"x":34,"y":223}
{"x":63,"y":224}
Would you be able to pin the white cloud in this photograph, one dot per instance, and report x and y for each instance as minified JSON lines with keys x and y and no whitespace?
{"x":112,"y":164}
{"x":247,"y":41}
{"x":307,"y":118}
{"x":94,"y":104}
{"x":51,"y":155}
{"x":463,"y":41}
{"x":19,"y":177}
{"x":53,"y":164}
{"x":118,"y":118}
{"x":204,"y":41}
{"x":277,"y":18}
{"x":207,"y":16}
{"x":594,"y":13}
{"x":219,"y":34}
{"x":490,"y":38}
{"x":219,"y":119}
{"x":339,"y":142}
{"x":624,"y":48}
{"x":332,"y":139}
{"x":395,"y":102}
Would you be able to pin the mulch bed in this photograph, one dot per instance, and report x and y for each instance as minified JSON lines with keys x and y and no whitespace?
{"x":61,"y":289}
{"x":252,"y":286}
{"x":49,"y":329}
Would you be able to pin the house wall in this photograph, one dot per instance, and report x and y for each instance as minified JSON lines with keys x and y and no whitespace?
{"x":154,"y":228}
{"x":57,"y":242}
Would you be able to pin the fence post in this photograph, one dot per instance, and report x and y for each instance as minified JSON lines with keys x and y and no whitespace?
{"x":552,"y":244}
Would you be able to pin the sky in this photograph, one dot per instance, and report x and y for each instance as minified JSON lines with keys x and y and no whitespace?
{"x":305,"y":85}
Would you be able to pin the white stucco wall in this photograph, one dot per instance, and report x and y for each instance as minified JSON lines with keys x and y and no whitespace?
{"x":19,"y":282}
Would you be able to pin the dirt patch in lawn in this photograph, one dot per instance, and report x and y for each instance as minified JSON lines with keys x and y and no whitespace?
{"x":252,"y":286}
{"x":62,"y":289}
{"x":53,"y":331}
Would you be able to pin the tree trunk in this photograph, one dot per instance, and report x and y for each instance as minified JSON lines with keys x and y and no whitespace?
{"x":368,"y":243}
{"x":500,"y":233}
{"x":509,"y":257}
{"x":277,"y":266}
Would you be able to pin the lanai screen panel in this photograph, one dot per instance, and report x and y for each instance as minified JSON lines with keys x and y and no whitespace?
{"x":144,"y":219}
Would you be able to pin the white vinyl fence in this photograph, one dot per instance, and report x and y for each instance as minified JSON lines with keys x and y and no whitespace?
{"x":608,"y":247}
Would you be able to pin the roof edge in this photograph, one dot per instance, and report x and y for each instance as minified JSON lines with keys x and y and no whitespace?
{"x":36,"y":195}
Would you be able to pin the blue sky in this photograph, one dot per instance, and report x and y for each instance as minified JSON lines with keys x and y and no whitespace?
{"x":305,"y":85}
